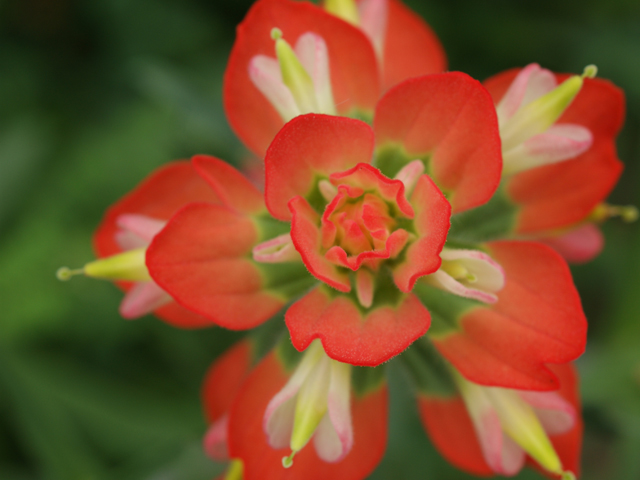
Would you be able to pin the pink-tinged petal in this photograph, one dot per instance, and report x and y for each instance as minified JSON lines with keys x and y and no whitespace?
{"x":142,"y":226}
{"x":248,"y":442}
{"x":450,"y":119}
{"x":410,"y":47}
{"x":352,"y":66}
{"x":234,"y":190}
{"x":556,"y":414}
{"x":537,"y":320}
{"x":202,"y":259}
{"x":531,"y":83}
{"x":265,"y":74}
{"x":374,"y":16}
{"x":487,"y":276}
{"x":560,"y":142}
{"x":159,"y":196}
{"x":309,"y":148}
{"x":277,"y":250}
{"x":143,"y":298}
{"x":127,"y":240}
{"x":215,"y":440}
{"x":409,"y":175}
{"x":221,"y":384}
{"x":579,"y":245}
{"x":447,"y":422}
{"x":446,"y":282}
{"x":365,"y":177}
{"x":352,"y":336}
{"x":311,"y":50}
{"x":364,"y":287}
{"x":562,"y":194}
{"x":432,"y":213}
{"x":307,"y":238}
{"x":333,"y":438}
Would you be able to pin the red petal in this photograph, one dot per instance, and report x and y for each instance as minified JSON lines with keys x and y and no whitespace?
{"x":564,"y":193}
{"x":248,"y":441}
{"x":158,"y":196}
{"x":308,"y":147}
{"x":224,"y":379}
{"x":201,"y":258}
{"x":449,"y":426}
{"x":537,"y":319}
{"x":351,"y":336}
{"x":180,"y":317}
{"x":411,"y":48}
{"x":569,"y":445}
{"x":432,"y":224}
{"x":352,"y":64}
{"x":307,"y":238}
{"x":368,"y":178}
{"x":449,"y":118}
{"x":233,"y":189}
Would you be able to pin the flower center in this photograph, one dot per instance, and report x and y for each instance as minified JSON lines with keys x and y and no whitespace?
{"x":361,"y":224}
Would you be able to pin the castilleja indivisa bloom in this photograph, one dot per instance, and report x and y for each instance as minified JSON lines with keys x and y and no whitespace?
{"x":405,"y":212}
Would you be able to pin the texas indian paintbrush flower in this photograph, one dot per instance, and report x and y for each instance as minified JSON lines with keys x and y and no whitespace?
{"x":403,"y":214}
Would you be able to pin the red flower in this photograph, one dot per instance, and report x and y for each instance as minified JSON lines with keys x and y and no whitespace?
{"x":351,"y":225}
{"x":563,"y":173}
{"x":337,"y":59}
{"x":537,"y":320}
{"x":266,"y":404}
{"x":221,"y":385}
{"x":203,"y":255}
{"x":132,"y":223}
{"x":488,"y":430}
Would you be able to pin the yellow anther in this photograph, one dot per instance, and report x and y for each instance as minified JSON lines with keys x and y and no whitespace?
{"x":568,"y":475}
{"x":590,"y":71}
{"x":344,"y":9}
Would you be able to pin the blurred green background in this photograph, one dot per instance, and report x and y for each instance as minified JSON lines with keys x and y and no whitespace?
{"x":94,"y":94}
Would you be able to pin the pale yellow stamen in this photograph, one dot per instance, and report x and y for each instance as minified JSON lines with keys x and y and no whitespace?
{"x":127,"y":266}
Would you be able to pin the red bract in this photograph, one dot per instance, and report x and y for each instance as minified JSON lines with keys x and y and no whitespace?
{"x":449,"y":425}
{"x":560,"y":195}
{"x":247,"y":440}
{"x":154,"y":201}
{"x":221,"y":384}
{"x":203,"y":255}
{"x":406,"y":46}
{"x":450,"y":121}
{"x":537,"y":320}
